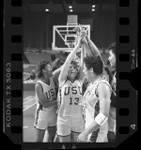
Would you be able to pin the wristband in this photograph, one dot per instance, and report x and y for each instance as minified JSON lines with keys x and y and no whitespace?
{"x":100,"y":119}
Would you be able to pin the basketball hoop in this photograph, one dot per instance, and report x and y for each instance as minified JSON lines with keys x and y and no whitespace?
{"x":71,"y":45}
{"x":68,"y":35}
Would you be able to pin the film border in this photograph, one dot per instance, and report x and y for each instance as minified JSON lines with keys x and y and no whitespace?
{"x":126,"y":38}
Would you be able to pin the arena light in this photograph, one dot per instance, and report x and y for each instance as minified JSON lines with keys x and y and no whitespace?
{"x":93,"y":6}
{"x":71,"y":10}
{"x":47,"y":10}
{"x":70,"y":7}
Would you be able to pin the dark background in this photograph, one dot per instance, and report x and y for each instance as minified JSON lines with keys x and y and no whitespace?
{"x":38,"y":24}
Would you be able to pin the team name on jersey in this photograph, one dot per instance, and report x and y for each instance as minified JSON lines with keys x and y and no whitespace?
{"x":50,"y":93}
{"x":73,"y":90}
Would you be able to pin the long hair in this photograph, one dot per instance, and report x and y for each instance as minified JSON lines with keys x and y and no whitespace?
{"x":109,"y":74}
{"x":40,"y":69}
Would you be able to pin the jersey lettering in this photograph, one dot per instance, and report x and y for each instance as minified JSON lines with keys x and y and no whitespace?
{"x":67,"y":91}
{"x":73,"y":89}
{"x":70,"y":101}
{"x":76,"y":101}
{"x":50,"y":93}
{"x":80,"y":90}
{"x":69,"y":97}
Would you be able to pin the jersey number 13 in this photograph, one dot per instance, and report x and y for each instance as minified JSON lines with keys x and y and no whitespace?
{"x":75,"y":102}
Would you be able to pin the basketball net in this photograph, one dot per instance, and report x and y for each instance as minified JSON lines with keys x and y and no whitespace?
{"x":71,"y":45}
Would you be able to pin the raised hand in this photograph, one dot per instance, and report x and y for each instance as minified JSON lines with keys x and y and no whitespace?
{"x":83,"y":33}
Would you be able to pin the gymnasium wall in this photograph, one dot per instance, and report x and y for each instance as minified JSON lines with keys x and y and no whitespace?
{"x":36,"y":58}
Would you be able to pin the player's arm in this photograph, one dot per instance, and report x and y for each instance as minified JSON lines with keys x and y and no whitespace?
{"x":56,"y":74}
{"x":42,"y":98}
{"x":91,"y":48}
{"x":55,"y":77}
{"x":57,"y":71}
{"x":65,"y":67}
{"x":81,"y":73}
{"x":104,"y":94}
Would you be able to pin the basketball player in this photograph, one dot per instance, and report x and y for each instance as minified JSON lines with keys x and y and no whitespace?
{"x":98,"y":90}
{"x":92,"y":50}
{"x":56,"y":65}
{"x":45,"y":116}
{"x":112,"y":116}
{"x":70,"y":121}
{"x":109,"y":75}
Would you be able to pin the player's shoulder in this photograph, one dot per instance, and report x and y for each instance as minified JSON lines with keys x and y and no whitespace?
{"x":104,"y":87}
{"x":103,"y":81}
{"x":38,"y":83}
{"x":38,"y":86}
{"x":42,"y":84}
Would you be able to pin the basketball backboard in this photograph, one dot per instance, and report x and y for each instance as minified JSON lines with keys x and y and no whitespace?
{"x":65,"y":36}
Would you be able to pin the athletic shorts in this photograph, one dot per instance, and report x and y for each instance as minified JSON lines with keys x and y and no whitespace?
{"x":67,"y":124}
{"x":44,"y":119}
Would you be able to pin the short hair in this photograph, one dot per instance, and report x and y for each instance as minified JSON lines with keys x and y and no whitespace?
{"x":95,"y":63}
{"x":41,"y":66}
{"x":112,"y":47}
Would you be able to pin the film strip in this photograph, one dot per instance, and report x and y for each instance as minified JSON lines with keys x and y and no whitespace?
{"x":127,"y":40}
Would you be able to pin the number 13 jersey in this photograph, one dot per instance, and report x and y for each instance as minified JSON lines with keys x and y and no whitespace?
{"x":69,"y":96}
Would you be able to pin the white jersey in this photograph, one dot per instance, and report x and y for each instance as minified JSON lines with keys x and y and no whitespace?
{"x":69,"y":95}
{"x":90,"y":99}
{"x":50,"y":94}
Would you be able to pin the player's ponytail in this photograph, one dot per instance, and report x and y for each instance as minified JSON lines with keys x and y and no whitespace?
{"x":109,"y":74}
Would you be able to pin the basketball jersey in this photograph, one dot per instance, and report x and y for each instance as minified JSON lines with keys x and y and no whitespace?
{"x":90,"y":99}
{"x":49,"y":92}
{"x":69,"y":95}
